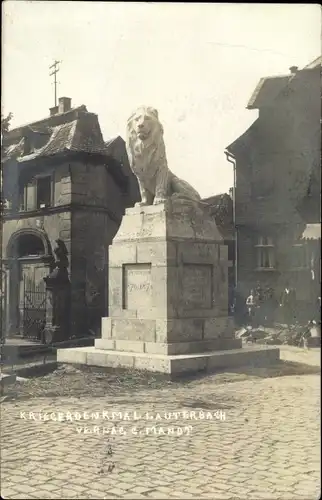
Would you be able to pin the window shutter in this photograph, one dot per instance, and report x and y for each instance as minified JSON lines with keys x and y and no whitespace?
{"x":31,"y":195}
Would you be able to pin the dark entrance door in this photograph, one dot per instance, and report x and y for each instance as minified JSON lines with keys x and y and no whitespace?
{"x":29,"y":258}
{"x":32,"y":299}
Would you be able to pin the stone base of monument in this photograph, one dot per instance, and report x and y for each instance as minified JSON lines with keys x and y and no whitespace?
{"x":168,"y":297}
{"x":173,"y":365}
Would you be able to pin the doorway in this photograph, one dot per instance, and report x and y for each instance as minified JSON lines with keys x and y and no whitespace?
{"x":29,"y":264}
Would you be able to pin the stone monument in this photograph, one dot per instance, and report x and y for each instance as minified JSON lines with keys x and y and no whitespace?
{"x":168,"y":276}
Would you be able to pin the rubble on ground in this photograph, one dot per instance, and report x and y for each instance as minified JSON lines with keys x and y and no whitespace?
{"x":65,"y":369}
{"x":279,"y":334}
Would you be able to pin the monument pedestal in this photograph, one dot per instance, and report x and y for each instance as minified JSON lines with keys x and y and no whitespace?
{"x":168,"y":296}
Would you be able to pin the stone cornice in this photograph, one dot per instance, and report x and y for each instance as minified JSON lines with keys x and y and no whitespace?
{"x":68,"y":207}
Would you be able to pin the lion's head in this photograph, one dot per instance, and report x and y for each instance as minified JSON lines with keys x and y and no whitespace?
{"x":144,"y":125}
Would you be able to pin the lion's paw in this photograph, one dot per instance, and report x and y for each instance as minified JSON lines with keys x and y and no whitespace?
{"x":141,"y":204}
{"x":158,"y":200}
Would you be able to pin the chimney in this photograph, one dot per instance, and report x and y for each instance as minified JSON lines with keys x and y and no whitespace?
{"x":53,"y":111}
{"x":294,"y":69}
{"x":64,"y":104}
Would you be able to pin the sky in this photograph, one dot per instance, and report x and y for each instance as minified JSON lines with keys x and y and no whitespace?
{"x":197,"y":63}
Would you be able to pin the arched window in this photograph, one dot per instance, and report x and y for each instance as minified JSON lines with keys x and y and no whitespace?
{"x":28,"y":245}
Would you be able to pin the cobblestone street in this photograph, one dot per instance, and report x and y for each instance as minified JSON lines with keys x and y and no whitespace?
{"x":246,"y":439}
{"x":160,"y":292}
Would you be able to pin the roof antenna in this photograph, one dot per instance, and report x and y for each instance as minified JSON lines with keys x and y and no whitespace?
{"x":55,"y":68}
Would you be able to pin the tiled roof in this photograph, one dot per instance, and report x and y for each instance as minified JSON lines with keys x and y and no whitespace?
{"x":74,"y":131}
{"x":221,"y":207}
{"x":267,"y":90}
{"x":314,"y":64}
{"x":116,"y":148}
{"x":44,"y":124}
{"x":270,"y":87}
{"x":112,"y":141}
{"x":39,"y":129}
{"x":218,"y":200}
{"x":82,"y":135}
{"x":245,"y":142}
{"x":14,"y":150}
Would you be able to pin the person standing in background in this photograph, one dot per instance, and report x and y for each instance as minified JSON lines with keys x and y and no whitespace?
{"x":318,"y":309}
{"x":250,"y":304}
{"x":288,"y":304}
{"x":259,"y":292}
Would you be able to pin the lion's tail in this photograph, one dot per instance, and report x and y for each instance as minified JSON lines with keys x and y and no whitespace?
{"x":184,"y":188}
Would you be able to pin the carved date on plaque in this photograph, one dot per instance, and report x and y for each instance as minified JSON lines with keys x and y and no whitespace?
{"x":197,"y":286}
{"x":137,"y":286}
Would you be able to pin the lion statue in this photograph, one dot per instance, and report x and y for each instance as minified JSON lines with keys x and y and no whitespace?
{"x":147,"y":156}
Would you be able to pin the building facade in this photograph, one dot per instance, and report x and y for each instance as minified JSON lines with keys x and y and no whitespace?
{"x":61,"y":183}
{"x":278,"y":186}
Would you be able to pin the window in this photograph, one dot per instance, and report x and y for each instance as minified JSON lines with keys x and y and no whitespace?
{"x":36,"y":193}
{"x":298,"y":256}
{"x":27,"y":196}
{"x":265,"y":253}
{"x":43,"y":191}
{"x":21,"y":200}
{"x":30,"y":245}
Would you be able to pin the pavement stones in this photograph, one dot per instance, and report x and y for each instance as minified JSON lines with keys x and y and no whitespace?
{"x":264,"y":444}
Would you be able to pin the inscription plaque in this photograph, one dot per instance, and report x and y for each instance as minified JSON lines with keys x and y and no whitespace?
{"x":137,"y":286}
{"x":197,"y":286}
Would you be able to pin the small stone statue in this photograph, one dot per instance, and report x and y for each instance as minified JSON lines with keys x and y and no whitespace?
{"x":59,"y":275}
{"x":148,"y":161}
{"x":61,"y":254}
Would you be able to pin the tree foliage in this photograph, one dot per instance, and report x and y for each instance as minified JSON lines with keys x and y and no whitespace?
{"x":5,"y":123}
